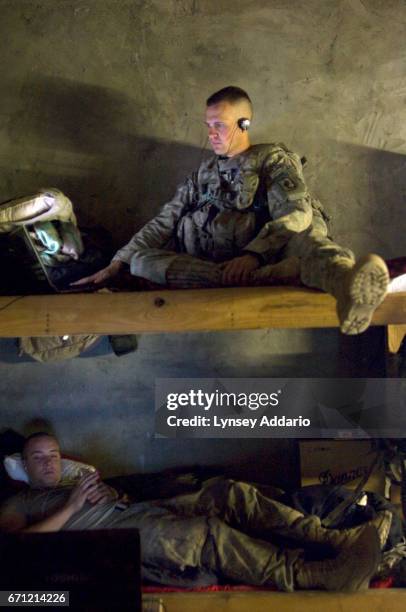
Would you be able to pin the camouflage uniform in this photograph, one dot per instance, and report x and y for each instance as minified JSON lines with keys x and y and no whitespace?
{"x":230,"y":530}
{"x":227,"y":530}
{"x":255,"y":202}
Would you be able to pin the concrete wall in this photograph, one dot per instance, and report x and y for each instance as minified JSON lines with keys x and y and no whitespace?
{"x":105,"y":99}
{"x":102,"y":407}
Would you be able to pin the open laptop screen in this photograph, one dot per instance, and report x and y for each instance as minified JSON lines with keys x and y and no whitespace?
{"x":99,"y":568}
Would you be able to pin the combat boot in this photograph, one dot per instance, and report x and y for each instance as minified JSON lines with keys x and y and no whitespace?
{"x":359,"y":289}
{"x":382,"y":523}
{"x":309,"y":529}
{"x":351,"y":570}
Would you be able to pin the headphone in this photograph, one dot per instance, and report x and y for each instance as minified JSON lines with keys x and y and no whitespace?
{"x":243,"y":123}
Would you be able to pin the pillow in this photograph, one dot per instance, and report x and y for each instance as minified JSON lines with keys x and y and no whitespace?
{"x":71,"y":470}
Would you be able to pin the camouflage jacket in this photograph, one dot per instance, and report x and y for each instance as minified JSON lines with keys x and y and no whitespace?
{"x":213,"y":216}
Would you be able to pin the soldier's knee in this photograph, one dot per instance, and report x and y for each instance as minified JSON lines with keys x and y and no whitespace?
{"x":216,"y":525}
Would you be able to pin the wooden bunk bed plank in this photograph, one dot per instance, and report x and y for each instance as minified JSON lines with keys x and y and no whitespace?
{"x":384,"y":600}
{"x":179,"y":311}
{"x":396,"y":334}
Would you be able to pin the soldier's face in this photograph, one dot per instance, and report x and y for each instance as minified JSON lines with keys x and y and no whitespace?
{"x":42,"y":459}
{"x":225,"y":136}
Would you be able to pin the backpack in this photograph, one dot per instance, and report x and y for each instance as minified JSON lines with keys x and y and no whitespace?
{"x":42,"y":248}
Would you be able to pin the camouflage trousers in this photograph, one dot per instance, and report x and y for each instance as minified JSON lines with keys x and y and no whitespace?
{"x":320,"y":259}
{"x":227,"y":529}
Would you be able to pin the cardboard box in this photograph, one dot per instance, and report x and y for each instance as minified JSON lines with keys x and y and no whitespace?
{"x":340,"y":462}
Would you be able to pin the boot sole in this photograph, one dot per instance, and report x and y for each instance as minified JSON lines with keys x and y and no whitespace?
{"x":367,"y":289}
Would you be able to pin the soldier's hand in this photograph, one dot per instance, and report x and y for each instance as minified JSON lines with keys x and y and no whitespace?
{"x":85,"y":488}
{"x":102,"y":276}
{"x":102,"y":494}
{"x":237,"y":271}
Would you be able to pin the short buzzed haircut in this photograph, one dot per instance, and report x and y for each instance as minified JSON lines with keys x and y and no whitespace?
{"x":33,"y":436}
{"x":229,"y":94}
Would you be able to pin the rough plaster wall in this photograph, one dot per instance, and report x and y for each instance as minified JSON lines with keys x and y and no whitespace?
{"x":104,"y":99}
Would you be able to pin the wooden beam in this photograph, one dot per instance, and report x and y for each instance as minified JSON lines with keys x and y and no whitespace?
{"x":179,"y":311}
{"x":395,"y":336}
{"x":384,"y":600}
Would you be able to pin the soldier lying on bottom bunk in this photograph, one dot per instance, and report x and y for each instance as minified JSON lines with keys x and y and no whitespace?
{"x":226,"y":531}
